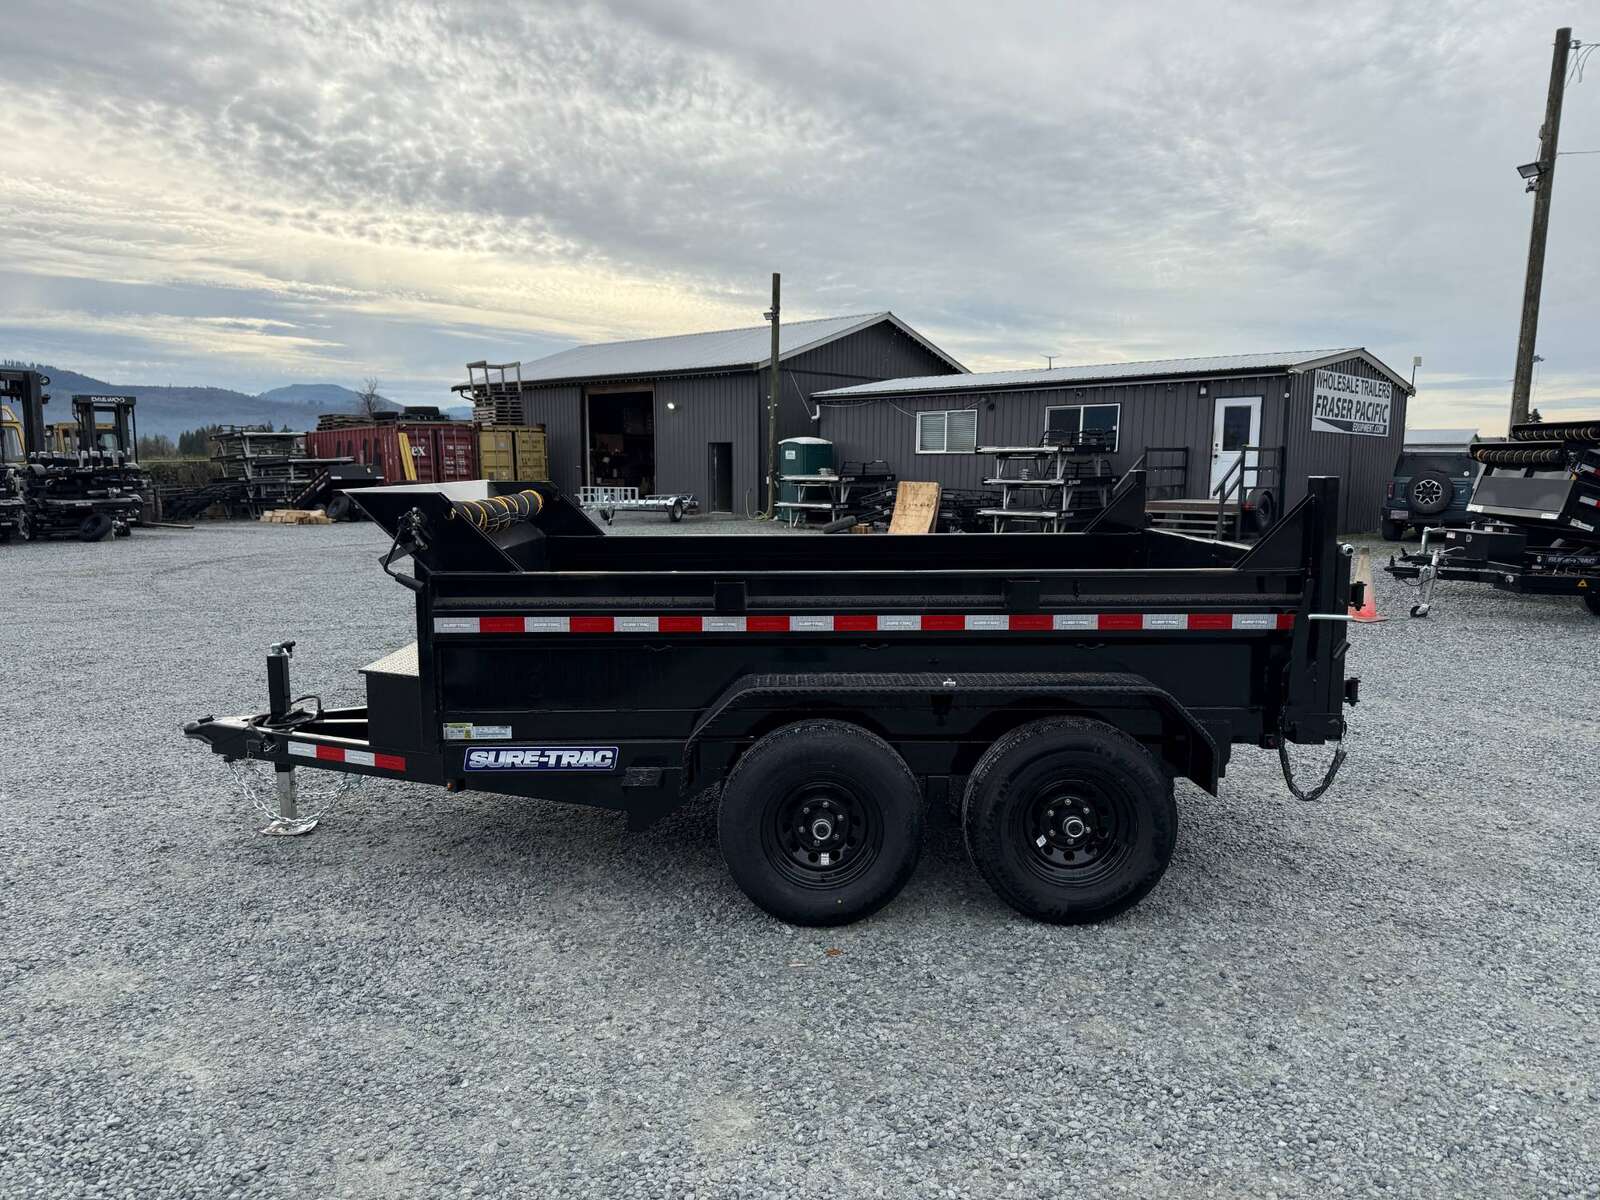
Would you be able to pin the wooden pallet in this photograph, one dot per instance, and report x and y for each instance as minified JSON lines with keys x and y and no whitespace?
{"x":296,"y":516}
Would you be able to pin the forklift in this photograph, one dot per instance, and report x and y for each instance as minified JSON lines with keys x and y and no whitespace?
{"x":89,"y":489}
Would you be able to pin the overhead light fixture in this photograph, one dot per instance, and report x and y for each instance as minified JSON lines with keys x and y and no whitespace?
{"x":1532,"y":172}
{"x":1202,"y":389}
{"x":672,"y":406}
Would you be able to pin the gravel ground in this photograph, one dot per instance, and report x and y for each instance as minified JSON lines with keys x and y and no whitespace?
{"x":1391,"y":993}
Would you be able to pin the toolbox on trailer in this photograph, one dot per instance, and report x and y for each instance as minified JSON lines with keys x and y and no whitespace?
{"x":1052,"y":685}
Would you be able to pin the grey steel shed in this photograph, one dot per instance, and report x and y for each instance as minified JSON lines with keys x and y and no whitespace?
{"x":687,"y":413}
{"x":1320,"y":412}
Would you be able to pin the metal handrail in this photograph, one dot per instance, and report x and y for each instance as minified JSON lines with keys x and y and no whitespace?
{"x":1229,"y":486}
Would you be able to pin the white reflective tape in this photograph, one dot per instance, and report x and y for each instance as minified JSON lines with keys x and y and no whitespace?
{"x":547,"y":624}
{"x":810,"y":624}
{"x":978,"y":621}
{"x":303,"y":749}
{"x":896,"y":622}
{"x":722,"y":625}
{"x":1166,"y":620}
{"x":1075,"y":621}
{"x":455,"y":624}
{"x":1255,"y":620}
{"x":360,"y":757}
{"x":638,"y":625}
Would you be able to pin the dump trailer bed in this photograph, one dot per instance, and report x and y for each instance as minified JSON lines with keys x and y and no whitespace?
{"x":831,"y":686}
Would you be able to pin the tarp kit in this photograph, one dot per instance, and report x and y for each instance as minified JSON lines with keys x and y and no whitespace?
{"x":830,"y":688}
{"x":1538,"y":529}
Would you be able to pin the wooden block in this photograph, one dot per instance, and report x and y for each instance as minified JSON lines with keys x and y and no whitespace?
{"x":916,"y":507}
{"x":861,"y":528}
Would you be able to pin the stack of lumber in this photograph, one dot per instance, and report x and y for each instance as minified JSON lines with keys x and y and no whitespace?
{"x":296,"y":516}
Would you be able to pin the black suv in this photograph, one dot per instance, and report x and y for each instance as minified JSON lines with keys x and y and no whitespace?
{"x":1430,"y":487}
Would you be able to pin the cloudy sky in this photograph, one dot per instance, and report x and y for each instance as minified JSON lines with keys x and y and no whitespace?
{"x":250,"y":194}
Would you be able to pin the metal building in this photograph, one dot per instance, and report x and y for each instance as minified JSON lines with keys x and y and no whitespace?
{"x":1189,"y":421}
{"x":688,"y":413}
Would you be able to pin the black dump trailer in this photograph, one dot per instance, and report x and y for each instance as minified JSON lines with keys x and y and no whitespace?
{"x":1536,"y":528}
{"x":1052,"y":684}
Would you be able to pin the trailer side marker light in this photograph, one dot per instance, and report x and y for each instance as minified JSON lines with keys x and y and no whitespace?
{"x":1117,"y":622}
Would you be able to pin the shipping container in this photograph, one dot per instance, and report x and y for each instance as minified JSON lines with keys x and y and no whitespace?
{"x":405,"y":451}
{"x":513,"y":452}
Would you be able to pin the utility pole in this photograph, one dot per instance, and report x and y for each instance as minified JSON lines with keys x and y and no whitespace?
{"x":773,"y":395}
{"x":1541,"y":182}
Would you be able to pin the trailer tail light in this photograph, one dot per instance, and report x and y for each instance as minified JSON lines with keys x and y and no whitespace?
{"x":1389,"y":495}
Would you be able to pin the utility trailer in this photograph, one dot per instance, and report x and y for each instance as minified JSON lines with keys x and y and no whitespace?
{"x":1054,"y":684}
{"x":609,"y":501}
{"x":1537,"y":504}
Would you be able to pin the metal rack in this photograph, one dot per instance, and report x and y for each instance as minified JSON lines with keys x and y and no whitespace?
{"x":1054,"y":486}
{"x":270,"y":467}
{"x":835,"y":495}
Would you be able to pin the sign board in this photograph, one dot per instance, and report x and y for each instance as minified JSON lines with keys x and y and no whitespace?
{"x":1343,"y":403}
{"x":916,"y":507}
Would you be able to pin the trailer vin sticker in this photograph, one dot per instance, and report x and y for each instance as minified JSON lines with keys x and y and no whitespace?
{"x":1343,"y":403}
{"x":542,"y":758}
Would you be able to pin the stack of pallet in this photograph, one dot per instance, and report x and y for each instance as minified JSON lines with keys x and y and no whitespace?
{"x":296,"y":516}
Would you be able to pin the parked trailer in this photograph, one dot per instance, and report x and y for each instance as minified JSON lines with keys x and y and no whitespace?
{"x":609,"y":501}
{"x":1055,"y":684}
{"x":1537,"y":504}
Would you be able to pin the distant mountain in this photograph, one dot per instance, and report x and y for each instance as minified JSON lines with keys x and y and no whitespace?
{"x":324,"y":397}
{"x":172,"y":410}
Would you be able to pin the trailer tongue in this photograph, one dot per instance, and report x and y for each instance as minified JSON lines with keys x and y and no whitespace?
{"x":1053,"y":684}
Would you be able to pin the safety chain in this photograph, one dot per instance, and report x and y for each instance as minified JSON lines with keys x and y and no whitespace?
{"x":1327,"y":780}
{"x":348,"y":784}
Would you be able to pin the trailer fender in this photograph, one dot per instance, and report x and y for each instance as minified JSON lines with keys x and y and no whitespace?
{"x":754,"y":701}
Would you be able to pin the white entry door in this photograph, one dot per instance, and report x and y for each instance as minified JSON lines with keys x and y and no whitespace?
{"x":1235,"y":425}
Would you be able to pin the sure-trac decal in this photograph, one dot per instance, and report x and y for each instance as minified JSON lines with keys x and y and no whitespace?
{"x":542,"y":758}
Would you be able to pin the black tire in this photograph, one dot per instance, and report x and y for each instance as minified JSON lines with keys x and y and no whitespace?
{"x":813,"y":791}
{"x":1263,"y":510}
{"x":1098,"y":800}
{"x":339,"y":508}
{"x":95,"y":527}
{"x":1591,"y":601}
{"x":1394,"y":531}
{"x":1430,"y":492}
{"x":123,"y":529}
{"x":675,"y":513}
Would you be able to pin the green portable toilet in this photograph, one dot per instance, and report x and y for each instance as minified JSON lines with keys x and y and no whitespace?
{"x":802,"y":456}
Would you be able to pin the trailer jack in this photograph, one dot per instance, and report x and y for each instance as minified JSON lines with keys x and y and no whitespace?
{"x":288,"y":822}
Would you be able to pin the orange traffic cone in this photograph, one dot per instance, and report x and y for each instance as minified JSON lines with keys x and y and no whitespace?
{"x":1363,"y":575}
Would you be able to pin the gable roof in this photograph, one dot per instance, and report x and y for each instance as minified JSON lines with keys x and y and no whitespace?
{"x":719,"y":350}
{"x":1293,"y":361}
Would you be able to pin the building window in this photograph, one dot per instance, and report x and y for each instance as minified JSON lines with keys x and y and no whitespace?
{"x":953,"y":432}
{"x":1092,"y":426}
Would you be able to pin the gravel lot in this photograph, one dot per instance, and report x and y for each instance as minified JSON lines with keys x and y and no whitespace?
{"x":1390,"y":993}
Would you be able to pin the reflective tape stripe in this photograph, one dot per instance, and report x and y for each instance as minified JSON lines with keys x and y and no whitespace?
{"x":1105,"y":622}
{"x":343,"y":754}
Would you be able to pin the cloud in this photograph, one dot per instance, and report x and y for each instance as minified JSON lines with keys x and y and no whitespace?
{"x":419,"y":183}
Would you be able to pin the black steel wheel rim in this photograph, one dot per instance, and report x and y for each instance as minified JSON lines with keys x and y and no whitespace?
{"x":1076,"y":830}
{"x":823,"y":832}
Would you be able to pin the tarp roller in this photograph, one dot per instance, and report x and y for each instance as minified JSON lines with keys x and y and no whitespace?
{"x":497,"y":512}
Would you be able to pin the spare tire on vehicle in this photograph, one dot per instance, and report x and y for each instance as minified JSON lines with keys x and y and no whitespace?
{"x":95,"y":527}
{"x":1430,"y":491}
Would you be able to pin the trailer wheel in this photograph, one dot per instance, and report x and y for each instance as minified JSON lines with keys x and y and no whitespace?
{"x":1069,"y":820}
{"x":675,"y":513}
{"x":95,"y":527}
{"x":821,"y":823}
{"x":339,"y":508}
